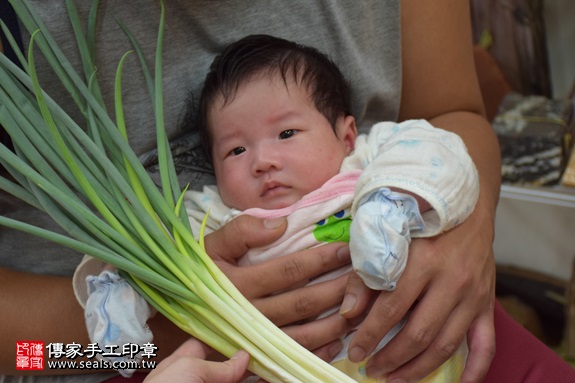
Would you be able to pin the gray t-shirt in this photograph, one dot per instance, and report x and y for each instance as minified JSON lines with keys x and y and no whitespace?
{"x":363,"y":38}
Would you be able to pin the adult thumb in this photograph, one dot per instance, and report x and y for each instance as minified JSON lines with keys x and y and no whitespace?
{"x":236,"y":237}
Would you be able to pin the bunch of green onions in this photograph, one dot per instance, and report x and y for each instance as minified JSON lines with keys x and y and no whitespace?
{"x":92,"y":184}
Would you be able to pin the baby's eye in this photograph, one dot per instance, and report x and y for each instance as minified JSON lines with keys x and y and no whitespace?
{"x":237,"y":151}
{"x":287,"y":134}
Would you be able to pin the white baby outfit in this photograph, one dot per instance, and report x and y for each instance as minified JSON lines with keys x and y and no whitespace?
{"x":356,"y":205}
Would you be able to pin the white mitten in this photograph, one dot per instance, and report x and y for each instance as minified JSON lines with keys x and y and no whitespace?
{"x":380,"y":237}
{"x":116,"y":315}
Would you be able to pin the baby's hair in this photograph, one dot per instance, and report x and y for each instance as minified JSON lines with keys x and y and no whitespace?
{"x":263,"y":54}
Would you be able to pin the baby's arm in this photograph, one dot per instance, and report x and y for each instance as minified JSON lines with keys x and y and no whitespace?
{"x":417,"y":181}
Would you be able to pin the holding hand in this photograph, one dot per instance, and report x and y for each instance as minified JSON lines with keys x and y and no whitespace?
{"x":450,"y":282}
{"x":188,"y":365}
{"x":261,"y":283}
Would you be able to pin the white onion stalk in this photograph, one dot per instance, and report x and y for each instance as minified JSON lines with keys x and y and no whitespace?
{"x":92,"y":184}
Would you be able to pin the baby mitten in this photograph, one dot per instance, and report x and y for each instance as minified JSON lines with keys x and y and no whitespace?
{"x":380,"y":237}
{"x":116,"y":315}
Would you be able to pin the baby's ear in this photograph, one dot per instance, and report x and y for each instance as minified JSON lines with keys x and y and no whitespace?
{"x":347,"y":132}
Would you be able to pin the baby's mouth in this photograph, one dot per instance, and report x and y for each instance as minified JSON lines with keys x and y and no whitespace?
{"x":273,"y":188}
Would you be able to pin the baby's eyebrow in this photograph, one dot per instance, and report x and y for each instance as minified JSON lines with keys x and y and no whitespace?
{"x":227,"y":136}
{"x":223,"y":139}
{"x":283,"y":116}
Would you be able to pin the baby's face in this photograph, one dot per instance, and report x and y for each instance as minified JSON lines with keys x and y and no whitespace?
{"x":271,"y":146}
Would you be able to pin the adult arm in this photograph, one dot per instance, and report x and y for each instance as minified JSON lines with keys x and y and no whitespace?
{"x":43,"y":307}
{"x":451,"y":277}
{"x":37,"y":307}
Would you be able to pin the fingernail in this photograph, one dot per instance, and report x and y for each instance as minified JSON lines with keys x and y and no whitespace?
{"x":343,"y":253}
{"x":274,"y":223}
{"x":348,"y":303}
{"x":356,"y":354}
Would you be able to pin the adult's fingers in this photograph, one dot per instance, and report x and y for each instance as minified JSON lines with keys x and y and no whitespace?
{"x":187,"y":365}
{"x":481,"y":343}
{"x":235,"y":238}
{"x":440,"y":340}
{"x":230,"y":371}
{"x":454,"y":293}
{"x":449,"y":341}
{"x":464,"y":288}
{"x":388,"y":309}
{"x":302,"y":303}
{"x":192,"y":347}
{"x":424,"y":324}
{"x":316,"y":334}
{"x":287,"y":272}
{"x":358,"y":297}
{"x":329,"y":351}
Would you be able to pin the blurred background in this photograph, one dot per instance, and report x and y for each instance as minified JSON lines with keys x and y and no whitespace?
{"x":525,"y":58}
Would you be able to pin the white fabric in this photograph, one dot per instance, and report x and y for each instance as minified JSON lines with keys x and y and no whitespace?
{"x":426,"y":161}
{"x":380,"y":234}
{"x":116,"y":315}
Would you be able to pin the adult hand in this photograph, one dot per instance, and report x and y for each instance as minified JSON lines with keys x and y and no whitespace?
{"x":188,"y":365}
{"x":270,"y":285}
{"x":451,"y":280}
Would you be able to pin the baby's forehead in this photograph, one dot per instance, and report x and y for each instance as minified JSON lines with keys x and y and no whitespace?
{"x":271,"y":77}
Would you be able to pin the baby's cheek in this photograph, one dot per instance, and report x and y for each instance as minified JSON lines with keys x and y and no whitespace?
{"x":225,"y":190}
{"x":238,"y":195}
